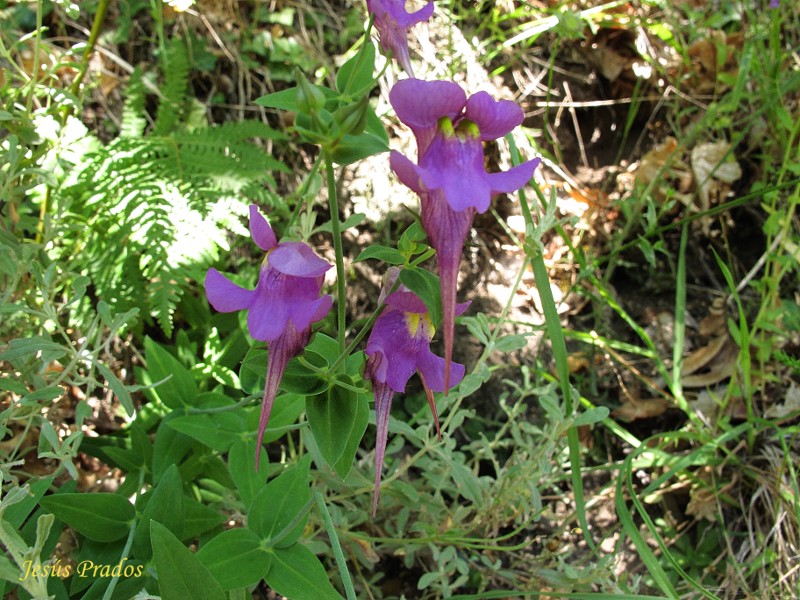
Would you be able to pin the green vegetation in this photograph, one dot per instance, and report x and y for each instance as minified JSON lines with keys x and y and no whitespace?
{"x":629,"y":421}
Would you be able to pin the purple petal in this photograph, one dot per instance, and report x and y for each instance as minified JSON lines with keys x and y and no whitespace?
{"x":269,"y":312}
{"x":494,"y":118}
{"x":462,"y":307}
{"x":407,"y":172}
{"x":420,"y":104}
{"x":391,"y":338}
{"x":260,"y":230}
{"x":281,"y":350}
{"x":303,"y":314}
{"x":406,"y":19}
{"x":513,"y":179}
{"x":456,"y":166}
{"x":383,"y":406}
{"x":323,"y":308}
{"x":224,"y":295}
{"x":297,"y":259}
{"x":406,"y":301}
{"x":432,"y":369}
{"x":447,"y":231}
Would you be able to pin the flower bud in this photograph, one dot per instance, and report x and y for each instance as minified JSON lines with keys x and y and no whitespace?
{"x":310,"y":98}
{"x":352,"y":118}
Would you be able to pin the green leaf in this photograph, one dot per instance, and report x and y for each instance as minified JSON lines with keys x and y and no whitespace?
{"x":217,"y":431}
{"x":591,"y":416}
{"x":351,"y":221}
{"x":181,"y":575}
{"x":236,"y":558}
{"x":164,"y":506}
{"x":241,"y":464}
{"x":100,"y":517}
{"x":253,"y":370}
{"x":355,"y":76}
{"x":353,"y":148}
{"x":360,"y":422}
{"x":287,"y":99}
{"x":199,"y":518}
{"x":338,"y":420}
{"x":511,"y":343}
{"x":179,"y":389}
{"x":22,"y":348}
{"x":276,"y":506}
{"x":297,"y":574}
{"x":332,"y":416}
{"x":119,"y":389}
{"x":384,"y":253}
{"x":169,"y":447}
{"x":299,"y":379}
{"x":425,"y":285}
{"x":16,"y":513}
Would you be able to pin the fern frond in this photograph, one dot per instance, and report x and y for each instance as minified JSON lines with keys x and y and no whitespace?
{"x":133,"y":121}
{"x":176,"y":79}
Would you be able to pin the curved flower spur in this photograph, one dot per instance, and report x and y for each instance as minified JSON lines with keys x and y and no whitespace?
{"x":399,"y":345}
{"x":449,"y":176}
{"x":282,"y":307}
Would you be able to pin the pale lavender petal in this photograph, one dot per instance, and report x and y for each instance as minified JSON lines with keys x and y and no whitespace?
{"x":407,"y":172}
{"x":260,"y":230}
{"x":513,"y":179}
{"x":494,"y":118}
{"x":297,"y":259}
{"x":224,"y":295}
{"x":406,"y":301}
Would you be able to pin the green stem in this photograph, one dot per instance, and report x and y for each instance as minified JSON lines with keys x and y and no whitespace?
{"x":333,"y":203}
{"x":337,"y":548}
{"x":99,"y":17}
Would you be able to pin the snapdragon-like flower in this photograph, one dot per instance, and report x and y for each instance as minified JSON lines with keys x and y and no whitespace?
{"x":399,"y":346}
{"x":393,"y":22}
{"x":449,"y":175}
{"x":281,"y":309}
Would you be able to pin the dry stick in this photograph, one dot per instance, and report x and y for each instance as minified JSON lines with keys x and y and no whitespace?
{"x":574,"y":115}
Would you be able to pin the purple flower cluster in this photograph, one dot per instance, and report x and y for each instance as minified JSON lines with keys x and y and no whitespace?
{"x":450,"y":178}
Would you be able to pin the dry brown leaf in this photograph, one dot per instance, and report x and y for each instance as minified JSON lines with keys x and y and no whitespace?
{"x":632,"y":410}
{"x":702,"y":503}
{"x":714,"y":323}
{"x":652,"y":162}
{"x":790,"y":404}
{"x":702,"y":356}
{"x":718,"y":367}
{"x":709,"y":170}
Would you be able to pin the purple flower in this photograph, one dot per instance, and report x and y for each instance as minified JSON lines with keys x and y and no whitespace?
{"x":449,"y":176}
{"x":774,"y":4}
{"x":398,"y":346}
{"x":283,"y":306}
{"x":393,"y":22}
